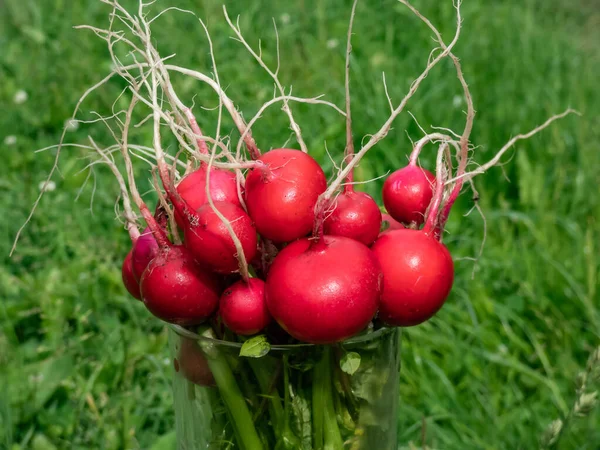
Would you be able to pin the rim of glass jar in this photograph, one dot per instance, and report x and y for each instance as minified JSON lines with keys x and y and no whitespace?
{"x":181,"y":331}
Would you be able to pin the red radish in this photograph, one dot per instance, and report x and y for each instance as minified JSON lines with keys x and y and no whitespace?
{"x":242,"y":307}
{"x":176,"y":290}
{"x":388,"y":223}
{"x":418,"y":273}
{"x":210,"y":242}
{"x":325,"y":291}
{"x":131,"y":284}
{"x":144,"y":251}
{"x":281,"y":195}
{"x":407,"y":193}
{"x":192,"y":188}
{"x":355,"y":215}
{"x":209,"y":235}
{"x":192,"y":363}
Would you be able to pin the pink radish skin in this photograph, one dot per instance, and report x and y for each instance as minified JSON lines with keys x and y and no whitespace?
{"x":418,"y":273}
{"x":206,"y":235}
{"x":355,"y":215}
{"x":192,"y":189}
{"x":325,"y":291}
{"x":407,"y":193}
{"x":129,"y":280}
{"x":281,"y":196}
{"x":176,"y":290}
{"x":243,"y":308}
{"x":144,"y":251}
{"x":210,"y":242}
{"x":391,"y":223}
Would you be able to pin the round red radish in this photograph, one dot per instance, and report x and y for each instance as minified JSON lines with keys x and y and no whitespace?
{"x":281,"y":195}
{"x":354,"y":215}
{"x":210,"y":242}
{"x":407,"y":193}
{"x":131,"y":284}
{"x":243,"y":309}
{"x":388,"y":223}
{"x":176,"y":290}
{"x":192,"y":188}
{"x":418,"y":273}
{"x":144,"y":251}
{"x":326,"y":291}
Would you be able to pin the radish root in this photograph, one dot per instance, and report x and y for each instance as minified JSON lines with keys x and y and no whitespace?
{"x":154,"y":96}
{"x":349,"y":151}
{"x":273,"y":74}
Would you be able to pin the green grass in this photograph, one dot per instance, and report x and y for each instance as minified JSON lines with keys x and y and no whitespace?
{"x":84,"y":366}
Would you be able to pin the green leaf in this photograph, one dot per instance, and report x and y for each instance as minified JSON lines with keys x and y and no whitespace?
{"x":255,"y":347}
{"x":303,"y":361}
{"x":350,"y":362}
{"x":49,"y":374}
{"x":41,"y":442}
{"x":165,"y":442}
{"x":302,"y":418}
{"x":34,"y":34}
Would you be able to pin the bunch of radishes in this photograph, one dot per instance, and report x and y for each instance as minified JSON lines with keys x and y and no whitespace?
{"x":264,"y":236}
{"x":322,"y":281}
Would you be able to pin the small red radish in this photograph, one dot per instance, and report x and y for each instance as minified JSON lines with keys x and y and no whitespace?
{"x":388,"y":223}
{"x":192,"y":363}
{"x":192,"y":188}
{"x":281,"y":195}
{"x":131,"y":284}
{"x":144,"y":251}
{"x":355,"y":215}
{"x":210,"y":242}
{"x":242,"y":307}
{"x":407,"y":193}
{"x":418,"y":273}
{"x":209,"y":235}
{"x":325,"y":291}
{"x":175,"y":289}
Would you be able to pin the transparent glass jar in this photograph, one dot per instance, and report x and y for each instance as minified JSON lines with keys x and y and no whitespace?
{"x":297,"y":397}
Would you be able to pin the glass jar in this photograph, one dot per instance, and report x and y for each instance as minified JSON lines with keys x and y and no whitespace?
{"x":296,"y":397}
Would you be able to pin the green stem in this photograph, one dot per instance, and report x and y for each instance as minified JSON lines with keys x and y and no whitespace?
{"x":327,"y":432}
{"x":232,"y":396}
{"x":352,"y":404}
{"x":265,"y":377}
{"x":285,"y":438}
{"x":286,"y":391}
{"x":318,"y":406}
{"x":248,"y":389}
{"x":333,"y":437}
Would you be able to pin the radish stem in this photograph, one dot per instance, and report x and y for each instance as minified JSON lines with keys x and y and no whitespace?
{"x":438,"y":194}
{"x":327,"y":433}
{"x":231,"y":395}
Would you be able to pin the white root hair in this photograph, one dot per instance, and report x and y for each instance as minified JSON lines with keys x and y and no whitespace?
{"x":273,"y":74}
{"x":385,"y":128}
{"x":496,"y":159}
{"x":128,"y":214}
{"x":150,"y":87}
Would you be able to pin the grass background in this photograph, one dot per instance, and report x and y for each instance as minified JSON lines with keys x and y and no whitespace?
{"x":83,"y":366}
